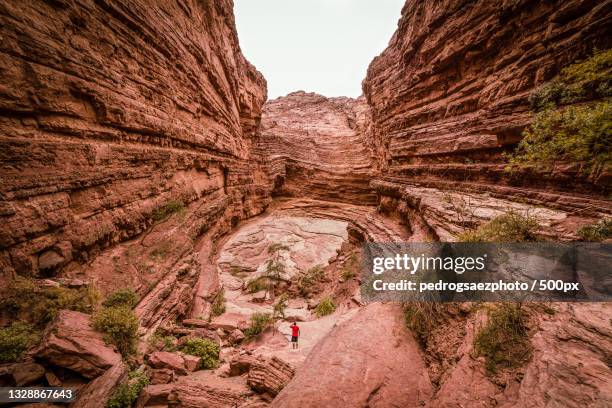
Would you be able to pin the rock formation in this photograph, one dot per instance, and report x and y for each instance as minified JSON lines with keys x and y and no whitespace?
{"x":317,"y":147}
{"x":109,"y":114}
{"x":450,"y":94}
{"x":136,"y":152}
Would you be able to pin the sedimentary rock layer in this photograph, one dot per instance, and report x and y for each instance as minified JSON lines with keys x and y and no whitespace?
{"x":112,"y":110}
{"x":318,"y":147}
{"x":450,"y":95}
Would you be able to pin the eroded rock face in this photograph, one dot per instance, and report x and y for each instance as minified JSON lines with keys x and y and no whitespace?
{"x":113,"y":111}
{"x":269,"y":375}
{"x":318,"y":147}
{"x":306,"y":243}
{"x":450,"y":94}
{"x":71,"y":342}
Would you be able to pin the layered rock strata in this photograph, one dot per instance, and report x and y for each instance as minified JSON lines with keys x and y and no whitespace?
{"x":113,"y":113}
{"x":318,"y":147}
{"x":450,"y":95}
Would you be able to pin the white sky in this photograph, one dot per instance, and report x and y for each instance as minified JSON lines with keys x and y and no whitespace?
{"x":322,"y":46}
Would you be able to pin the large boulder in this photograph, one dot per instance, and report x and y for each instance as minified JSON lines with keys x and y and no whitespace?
{"x":96,"y":393}
{"x":199,"y":389}
{"x":369,"y":360}
{"x":72,"y":343}
{"x":229,"y":322}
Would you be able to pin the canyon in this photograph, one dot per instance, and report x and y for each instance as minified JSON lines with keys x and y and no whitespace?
{"x":139,"y":150}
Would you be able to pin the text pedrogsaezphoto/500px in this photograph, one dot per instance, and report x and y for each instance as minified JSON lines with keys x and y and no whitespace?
{"x":292,"y":204}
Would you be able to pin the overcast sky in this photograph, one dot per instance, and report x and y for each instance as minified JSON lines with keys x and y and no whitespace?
{"x":323,"y":46}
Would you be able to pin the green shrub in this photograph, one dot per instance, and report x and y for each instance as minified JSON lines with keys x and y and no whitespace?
{"x":15,"y":340}
{"x":127,"y":393}
{"x":584,"y":80}
{"x":258,"y":284}
{"x":349,"y":268}
{"x":26,"y":300}
{"x":280,"y":306}
{"x":206,"y":349}
{"x":306,"y":280}
{"x":167,"y":343}
{"x":504,"y":341}
{"x":422,"y":318}
{"x":509,"y":227}
{"x":122,"y":297}
{"x":119,"y":325}
{"x":326,"y":306}
{"x":259,"y":323}
{"x":596,"y":232}
{"x":168,"y":209}
{"x":218,"y":305}
{"x":574,"y":134}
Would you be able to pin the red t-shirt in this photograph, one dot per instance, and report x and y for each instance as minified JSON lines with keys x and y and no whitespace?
{"x":295,"y":330}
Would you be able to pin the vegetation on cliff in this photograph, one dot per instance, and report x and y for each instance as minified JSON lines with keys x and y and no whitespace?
{"x":579,"y":133}
{"x":325,"y":307}
{"x":117,"y":321}
{"x":509,"y":227}
{"x":127,"y":393}
{"x":259,"y":323}
{"x":15,"y":340}
{"x":27,"y":300}
{"x":504,"y":341}
{"x":596,"y":232}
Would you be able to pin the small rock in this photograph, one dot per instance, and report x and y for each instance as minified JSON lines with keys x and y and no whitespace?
{"x":195,"y":323}
{"x":49,"y":259}
{"x":52,"y":379}
{"x":236,"y":336}
{"x":161,"y":376}
{"x":191,"y":362}
{"x":240,"y":365}
{"x":27,"y":373}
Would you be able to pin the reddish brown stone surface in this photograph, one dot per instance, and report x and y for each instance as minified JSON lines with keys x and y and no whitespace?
{"x":317,"y":147}
{"x":449,"y":95}
{"x":70,"y":342}
{"x":110,"y":110}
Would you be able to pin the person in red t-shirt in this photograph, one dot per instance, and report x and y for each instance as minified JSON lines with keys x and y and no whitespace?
{"x":295,"y":333}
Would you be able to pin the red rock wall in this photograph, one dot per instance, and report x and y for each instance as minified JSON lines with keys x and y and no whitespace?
{"x":317,"y":147}
{"x":111,"y":109}
{"x":449,"y":95}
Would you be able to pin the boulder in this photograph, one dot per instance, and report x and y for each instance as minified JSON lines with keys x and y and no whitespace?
{"x":191,"y":362}
{"x":240,"y":365}
{"x":168,"y":360}
{"x":96,"y":393}
{"x":195,"y":323}
{"x":72,"y":343}
{"x":269,"y":375}
{"x":229,"y":322}
{"x":27,"y":373}
{"x":200,"y":389}
{"x":370,"y":359}
{"x":161,"y":376}
{"x":236,"y":336}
